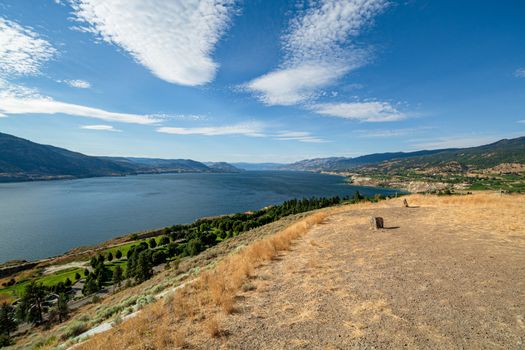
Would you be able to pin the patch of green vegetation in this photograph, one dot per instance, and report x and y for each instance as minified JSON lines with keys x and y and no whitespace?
{"x":47,"y":280}
{"x":124,"y":248}
{"x":60,"y":276}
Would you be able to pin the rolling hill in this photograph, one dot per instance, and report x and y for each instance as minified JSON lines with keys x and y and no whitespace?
{"x":506,"y":151}
{"x":345,"y":164}
{"x":23,"y":160}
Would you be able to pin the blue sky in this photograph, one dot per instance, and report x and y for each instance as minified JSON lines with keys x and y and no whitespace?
{"x":261,"y":80}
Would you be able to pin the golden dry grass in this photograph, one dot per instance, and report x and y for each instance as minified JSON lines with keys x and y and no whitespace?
{"x":212,"y":326}
{"x":470,"y":208}
{"x":393,"y":288}
{"x":198,"y":307}
{"x":186,"y":318}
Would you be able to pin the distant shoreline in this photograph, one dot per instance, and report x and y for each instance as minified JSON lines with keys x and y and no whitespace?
{"x":68,"y":177}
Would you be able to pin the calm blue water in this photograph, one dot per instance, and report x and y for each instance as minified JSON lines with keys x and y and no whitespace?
{"x":41,"y":219}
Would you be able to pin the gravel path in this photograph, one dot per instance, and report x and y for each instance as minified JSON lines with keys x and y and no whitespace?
{"x":426,"y":282}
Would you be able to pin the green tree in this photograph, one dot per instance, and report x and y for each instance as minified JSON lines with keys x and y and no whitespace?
{"x":100,"y":259}
{"x":110,"y":256}
{"x":77,"y":276}
{"x":118,"y":254}
{"x":86,"y":272}
{"x":164,"y":240}
{"x":30,"y":307}
{"x":90,"y":286}
{"x":158,"y":257}
{"x":117,"y":275}
{"x":7,"y":324}
{"x":68,"y":282}
{"x":62,"y":307}
{"x":152,"y":243}
{"x":194,"y":247}
{"x":144,"y":268}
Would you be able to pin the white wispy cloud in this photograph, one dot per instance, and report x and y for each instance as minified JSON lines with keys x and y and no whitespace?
{"x":173,"y":39}
{"x":187,"y":117}
{"x":520,"y":73}
{"x":100,"y":127}
{"x":77,"y":83}
{"x":253,"y":129}
{"x":301,"y":136}
{"x":22,"y":51}
{"x":17,"y":99}
{"x":381,"y":133}
{"x":459,"y":141}
{"x":250,"y":129}
{"x":362,"y":111}
{"x":319,"y":50}
{"x":294,"y":85}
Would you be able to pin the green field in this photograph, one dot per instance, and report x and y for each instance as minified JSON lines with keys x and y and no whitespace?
{"x":63,"y":275}
{"x":47,"y":280}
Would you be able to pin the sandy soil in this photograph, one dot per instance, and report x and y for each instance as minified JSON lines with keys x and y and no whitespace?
{"x":440,"y":277}
{"x":55,"y":268}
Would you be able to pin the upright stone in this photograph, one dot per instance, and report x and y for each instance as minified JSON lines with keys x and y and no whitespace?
{"x":376,"y":223}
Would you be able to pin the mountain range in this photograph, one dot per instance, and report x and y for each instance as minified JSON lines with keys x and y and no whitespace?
{"x":23,"y":160}
{"x":481,"y":157}
{"x":345,"y":164}
{"x":506,"y":151}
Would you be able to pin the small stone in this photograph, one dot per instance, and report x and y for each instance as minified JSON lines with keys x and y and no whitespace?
{"x":376,"y":223}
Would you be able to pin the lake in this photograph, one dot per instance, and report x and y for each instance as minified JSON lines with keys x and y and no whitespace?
{"x":42,"y":219}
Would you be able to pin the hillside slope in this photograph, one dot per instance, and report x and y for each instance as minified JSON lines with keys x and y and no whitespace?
{"x":431,"y":279}
{"x":223,"y":167}
{"x":481,"y":157}
{"x":158,"y":165}
{"x":345,"y":164}
{"x":421,"y":284}
{"x":21,"y":159}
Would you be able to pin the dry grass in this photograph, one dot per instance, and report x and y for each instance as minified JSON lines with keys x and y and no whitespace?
{"x":472,"y":208}
{"x":198,"y":307}
{"x":212,"y":326}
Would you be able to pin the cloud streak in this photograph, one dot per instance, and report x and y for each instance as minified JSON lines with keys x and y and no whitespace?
{"x":250,"y":129}
{"x":22,"y":51}
{"x":362,"y":111}
{"x":77,"y":83}
{"x":301,"y":136}
{"x":173,"y":39}
{"x":455,"y":142}
{"x":319,"y":50}
{"x":16,"y":99}
{"x":520,"y":73}
{"x":100,"y":128}
{"x":247,"y":129}
{"x":382,"y":133}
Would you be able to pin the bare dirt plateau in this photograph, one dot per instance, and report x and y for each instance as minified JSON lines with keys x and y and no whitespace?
{"x":448,"y":272}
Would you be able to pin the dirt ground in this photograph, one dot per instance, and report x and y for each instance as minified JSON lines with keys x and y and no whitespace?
{"x":441,"y":276}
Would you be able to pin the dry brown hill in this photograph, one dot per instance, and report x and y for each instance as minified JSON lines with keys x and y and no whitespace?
{"x":448,"y":272}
